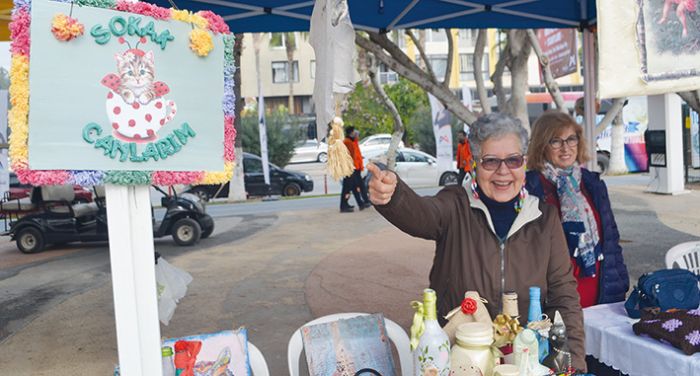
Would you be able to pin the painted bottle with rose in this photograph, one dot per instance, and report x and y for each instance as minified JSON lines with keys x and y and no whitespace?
{"x":429,"y":343}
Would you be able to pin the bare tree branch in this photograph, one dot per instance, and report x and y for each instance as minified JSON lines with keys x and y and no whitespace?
{"x":617,"y":105}
{"x":423,"y":56}
{"x":497,"y":79}
{"x":419,"y":77}
{"x":450,"y":57}
{"x":387,"y":45}
{"x":478,"y":72}
{"x":398,"y":124}
{"x":549,"y":81}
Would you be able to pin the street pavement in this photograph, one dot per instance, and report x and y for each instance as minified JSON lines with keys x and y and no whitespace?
{"x":269,"y":266}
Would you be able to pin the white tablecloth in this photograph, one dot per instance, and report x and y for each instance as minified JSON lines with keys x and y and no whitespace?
{"x":609,"y":338}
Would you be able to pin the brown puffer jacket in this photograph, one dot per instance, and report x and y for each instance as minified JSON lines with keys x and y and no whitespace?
{"x":469,"y":255}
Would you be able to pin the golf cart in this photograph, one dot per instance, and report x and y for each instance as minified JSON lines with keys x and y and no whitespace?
{"x":51,"y":218}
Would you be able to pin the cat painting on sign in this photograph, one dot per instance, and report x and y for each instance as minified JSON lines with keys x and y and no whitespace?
{"x":135,"y":105}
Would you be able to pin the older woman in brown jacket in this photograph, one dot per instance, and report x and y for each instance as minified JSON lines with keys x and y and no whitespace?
{"x":491,"y":237}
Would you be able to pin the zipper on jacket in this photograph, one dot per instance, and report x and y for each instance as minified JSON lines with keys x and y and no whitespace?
{"x":503,"y":273}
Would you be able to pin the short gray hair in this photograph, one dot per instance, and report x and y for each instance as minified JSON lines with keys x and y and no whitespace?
{"x":495,"y":125}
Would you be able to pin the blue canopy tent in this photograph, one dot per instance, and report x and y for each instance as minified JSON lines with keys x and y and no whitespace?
{"x":378,"y":15}
{"x":386,"y":15}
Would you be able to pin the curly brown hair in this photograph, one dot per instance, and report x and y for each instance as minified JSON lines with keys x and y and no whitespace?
{"x":545,"y":128}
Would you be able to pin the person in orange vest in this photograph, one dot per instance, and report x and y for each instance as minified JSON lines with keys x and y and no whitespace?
{"x":353,"y":183}
{"x":464,"y":156}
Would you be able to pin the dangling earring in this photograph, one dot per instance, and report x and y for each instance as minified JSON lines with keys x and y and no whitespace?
{"x":473,"y":182}
{"x":521,"y":201}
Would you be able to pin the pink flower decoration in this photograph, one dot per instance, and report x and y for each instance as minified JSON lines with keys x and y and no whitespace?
{"x":143,"y":8}
{"x":229,"y":139}
{"x":171,"y":178}
{"x":217,"y":25}
{"x":42,"y":177}
{"x":19,"y":31}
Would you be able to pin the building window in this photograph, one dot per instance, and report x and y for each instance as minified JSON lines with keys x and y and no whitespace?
{"x":436,"y":35}
{"x":280,"y":72}
{"x":313,"y":69}
{"x":386,"y":75}
{"x":466,"y":67}
{"x":280,"y":40}
{"x":467,"y":35}
{"x":439,"y":65}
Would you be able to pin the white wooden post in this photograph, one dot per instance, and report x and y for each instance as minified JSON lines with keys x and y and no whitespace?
{"x":665,"y":114}
{"x":132,"y":260}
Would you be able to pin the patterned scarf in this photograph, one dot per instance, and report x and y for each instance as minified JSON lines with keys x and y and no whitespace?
{"x":575,"y":208}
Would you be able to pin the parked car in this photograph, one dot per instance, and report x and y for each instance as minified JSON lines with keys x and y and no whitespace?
{"x":416,"y":168}
{"x":310,"y":151}
{"x":282,"y":182}
{"x":379,"y":141}
{"x":18,"y":191}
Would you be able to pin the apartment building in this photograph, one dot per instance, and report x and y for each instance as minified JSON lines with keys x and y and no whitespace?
{"x":276,"y":75}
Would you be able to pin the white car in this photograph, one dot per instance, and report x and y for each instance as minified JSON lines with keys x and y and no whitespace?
{"x":416,"y":168}
{"x":310,"y":151}
{"x":374,"y":142}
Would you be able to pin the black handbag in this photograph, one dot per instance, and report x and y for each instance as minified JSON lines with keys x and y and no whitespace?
{"x":665,"y":289}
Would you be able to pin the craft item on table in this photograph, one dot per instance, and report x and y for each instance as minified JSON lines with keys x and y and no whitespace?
{"x":472,"y":309}
{"x":679,"y":328}
{"x":510,"y":316}
{"x":473,"y":353}
{"x":666,"y":289}
{"x":526,"y":358}
{"x":559,"y":358}
{"x":538,"y":322}
{"x":340,"y":162}
{"x":505,"y":329}
{"x":429,"y":343}
{"x":171,"y":286}
{"x":344,"y":347}
{"x":168,"y":362}
{"x":506,"y":370}
{"x":222,"y":353}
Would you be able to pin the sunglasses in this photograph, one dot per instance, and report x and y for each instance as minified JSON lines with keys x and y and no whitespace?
{"x":492,"y":164}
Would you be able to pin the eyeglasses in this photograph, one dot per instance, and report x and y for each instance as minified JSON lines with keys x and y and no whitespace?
{"x":557,"y":143}
{"x":493,"y":164}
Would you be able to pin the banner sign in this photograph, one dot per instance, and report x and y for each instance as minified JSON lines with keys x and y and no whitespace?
{"x":559,"y":45}
{"x":647,"y":47}
{"x":442,"y":128}
{"x":126,"y":94}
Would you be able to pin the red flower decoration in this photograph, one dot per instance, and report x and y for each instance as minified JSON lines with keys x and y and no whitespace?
{"x":468,"y":306}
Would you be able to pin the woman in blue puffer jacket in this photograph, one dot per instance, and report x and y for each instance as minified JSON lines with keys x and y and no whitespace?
{"x":555,"y":158}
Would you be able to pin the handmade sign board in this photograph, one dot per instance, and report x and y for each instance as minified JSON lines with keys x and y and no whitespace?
{"x":127,"y":93}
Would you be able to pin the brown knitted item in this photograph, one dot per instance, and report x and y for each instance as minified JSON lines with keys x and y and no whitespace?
{"x":679,"y":328}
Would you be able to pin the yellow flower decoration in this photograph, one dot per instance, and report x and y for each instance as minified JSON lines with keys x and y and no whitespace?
{"x":18,"y":115}
{"x":219,"y":176}
{"x":65,"y":28}
{"x":189,"y":17}
{"x":201,"y":42}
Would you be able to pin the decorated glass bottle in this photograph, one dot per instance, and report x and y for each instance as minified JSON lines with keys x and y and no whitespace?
{"x":429,"y":343}
{"x":535,"y":314}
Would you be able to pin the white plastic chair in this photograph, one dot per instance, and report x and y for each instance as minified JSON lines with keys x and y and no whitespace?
{"x":685,"y":256}
{"x":397,"y":335}
{"x":258,"y":365}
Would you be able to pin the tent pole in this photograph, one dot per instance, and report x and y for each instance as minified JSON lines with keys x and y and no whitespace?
{"x":589,"y":96}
